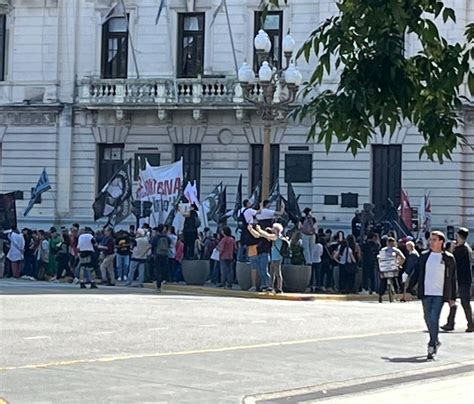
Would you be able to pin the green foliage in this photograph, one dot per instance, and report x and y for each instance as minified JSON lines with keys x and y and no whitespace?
{"x":380,"y":87}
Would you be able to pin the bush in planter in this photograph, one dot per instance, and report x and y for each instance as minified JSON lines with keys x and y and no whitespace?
{"x":297,"y":256}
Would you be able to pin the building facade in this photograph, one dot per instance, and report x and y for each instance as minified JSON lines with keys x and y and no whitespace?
{"x":83,"y":89}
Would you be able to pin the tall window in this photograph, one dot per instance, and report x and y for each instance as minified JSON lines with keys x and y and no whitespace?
{"x":3,"y":20}
{"x":257,"y":164}
{"x":190,"y":44}
{"x":110,"y":161}
{"x":273,"y":26}
{"x":191,"y":154}
{"x":115,"y":48}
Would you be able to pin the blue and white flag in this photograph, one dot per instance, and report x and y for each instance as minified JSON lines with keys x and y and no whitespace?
{"x":43,"y":185}
{"x":160,"y":9}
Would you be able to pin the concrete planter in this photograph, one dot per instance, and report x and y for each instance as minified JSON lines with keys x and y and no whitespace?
{"x":296,"y":278}
{"x":195,"y":272}
{"x":243,"y":275}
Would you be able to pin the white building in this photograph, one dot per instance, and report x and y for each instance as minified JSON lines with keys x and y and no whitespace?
{"x":70,"y":101}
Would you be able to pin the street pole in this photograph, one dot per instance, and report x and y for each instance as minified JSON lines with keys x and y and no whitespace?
{"x":266,"y":170}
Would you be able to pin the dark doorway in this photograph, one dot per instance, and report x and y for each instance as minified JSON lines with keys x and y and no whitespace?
{"x":386,"y":177}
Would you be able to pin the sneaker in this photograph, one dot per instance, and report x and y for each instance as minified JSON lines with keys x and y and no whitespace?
{"x":252,"y":289}
{"x":447,"y":327}
{"x":75,"y":281}
{"x":431,"y":353}
{"x":470,"y":328}
{"x":119,"y":279}
{"x":93,"y":286}
{"x":125,"y":277}
{"x":278,"y":291}
{"x":53,"y":279}
{"x":83,"y":285}
{"x":364,"y":292}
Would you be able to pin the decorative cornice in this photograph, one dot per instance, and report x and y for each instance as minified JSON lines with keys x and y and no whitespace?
{"x":187,"y":134}
{"x":254,"y":134}
{"x":110,"y":134}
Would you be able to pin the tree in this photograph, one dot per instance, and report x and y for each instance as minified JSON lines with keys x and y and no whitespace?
{"x":380,"y":86}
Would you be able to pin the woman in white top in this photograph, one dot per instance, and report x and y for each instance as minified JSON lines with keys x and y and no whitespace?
{"x":15,"y":254}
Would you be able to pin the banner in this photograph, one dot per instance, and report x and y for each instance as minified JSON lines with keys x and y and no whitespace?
{"x":163,"y":186}
{"x":43,"y":185}
{"x":7,"y":211}
{"x":114,"y":200}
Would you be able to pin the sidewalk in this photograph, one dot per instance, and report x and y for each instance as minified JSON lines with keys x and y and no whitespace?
{"x":208,"y":290}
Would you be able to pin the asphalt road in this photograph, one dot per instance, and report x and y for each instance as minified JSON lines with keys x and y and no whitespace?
{"x":59,"y":344}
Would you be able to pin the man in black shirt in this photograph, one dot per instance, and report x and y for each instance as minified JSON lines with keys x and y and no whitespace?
{"x":462,"y":254}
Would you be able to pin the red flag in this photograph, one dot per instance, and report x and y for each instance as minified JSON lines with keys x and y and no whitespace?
{"x":405,"y":210}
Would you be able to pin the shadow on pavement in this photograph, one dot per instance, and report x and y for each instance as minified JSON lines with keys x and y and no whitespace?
{"x":409,"y":359}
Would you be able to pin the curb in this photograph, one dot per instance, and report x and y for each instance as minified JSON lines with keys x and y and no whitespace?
{"x":296,"y":297}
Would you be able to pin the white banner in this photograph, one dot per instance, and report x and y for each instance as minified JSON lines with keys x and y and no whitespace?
{"x":162,"y":186}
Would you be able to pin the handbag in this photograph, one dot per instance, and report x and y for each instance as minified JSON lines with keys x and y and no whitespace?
{"x":215,"y":254}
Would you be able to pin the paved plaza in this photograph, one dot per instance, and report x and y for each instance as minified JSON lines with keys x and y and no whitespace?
{"x":112,"y":345}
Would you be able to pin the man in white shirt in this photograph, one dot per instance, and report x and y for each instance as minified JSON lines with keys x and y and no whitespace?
{"x":86,"y":247}
{"x":266,"y":213}
{"x":436,"y":284}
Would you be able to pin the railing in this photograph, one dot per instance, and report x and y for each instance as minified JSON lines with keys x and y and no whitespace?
{"x":208,"y":91}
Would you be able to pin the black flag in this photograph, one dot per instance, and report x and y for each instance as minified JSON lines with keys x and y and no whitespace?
{"x":114,"y":200}
{"x":222,"y":207}
{"x":238,"y":200}
{"x":293,"y":208}
{"x":256,"y":196}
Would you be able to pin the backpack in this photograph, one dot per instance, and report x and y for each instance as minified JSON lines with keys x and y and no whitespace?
{"x":308,"y":226}
{"x":241,"y":222}
{"x":285,"y":248}
{"x":162,"y":246}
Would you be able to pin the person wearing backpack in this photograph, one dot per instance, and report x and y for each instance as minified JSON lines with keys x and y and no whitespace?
{"x":280,"y":251}
{"x":308,"y":230}
{"x":160,"y":245}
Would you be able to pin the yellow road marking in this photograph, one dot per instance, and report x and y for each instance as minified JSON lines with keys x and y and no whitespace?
{"x":203,"y":351}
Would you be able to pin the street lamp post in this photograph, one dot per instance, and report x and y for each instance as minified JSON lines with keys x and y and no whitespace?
{"x":271,"y":91}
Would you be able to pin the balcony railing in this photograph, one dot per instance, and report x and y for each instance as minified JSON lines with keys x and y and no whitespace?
{"x":160,"y":92}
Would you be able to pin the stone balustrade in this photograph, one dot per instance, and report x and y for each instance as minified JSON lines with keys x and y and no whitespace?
{"x":160,"y":92}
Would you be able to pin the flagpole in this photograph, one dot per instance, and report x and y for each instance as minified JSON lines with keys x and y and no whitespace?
{"x":231,"y":39}
{"x":130,"y":38}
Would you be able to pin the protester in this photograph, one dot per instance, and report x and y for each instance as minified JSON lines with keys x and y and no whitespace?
{"x":436,"y":280}
{"x":122,"y":243}
{"x":54,"y":241}
{"x":280,"y":251}
{"x":190,"y":231}
{"x":160,"y":244}
{"x":42,"y":255}
{"x":178,"y":275}
{"x":412,"y":262}
{"x":308,"y":230}
{"x":62,"y":257}
{"x":2,"y":253}
{"x":107,"y":252}
{"x":356,"y":225}
{"x":248,"y":241}
{"x":173,"y":238}
{"x":29,"y":270}
{"x":263,"y":255}
{"x":140,"y":253}
{"x":86,"y":247}
{"x":227,"y":249}
{"x":327,"y":279}
{"x":15,"y":254}
{"x":370,"y":251}
{"x":348,"y":257}
{"x":391,"y":250}
{"x":316,"y":265}
{"x":462,"y":255}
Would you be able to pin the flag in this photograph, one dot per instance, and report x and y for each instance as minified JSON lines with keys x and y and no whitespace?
{"x":405,"y":210}
{"x":211,"y":203}
{"x":114,"y":200}
{"x":43,"y":185}
{"x":221,"y":213}
{"x":172,"y":213}
{"x":191,"y":193}
{"x":275,"y":193}
{"x":427,"y":221}
{"x":217,"y":11}
{"x":160,"y":9}
{"x":293,"y":208}
{"x":256,"y":196}
{"x":238,"y":200}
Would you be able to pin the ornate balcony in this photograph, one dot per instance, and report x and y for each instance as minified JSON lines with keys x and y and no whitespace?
{"x":161,"y":93}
